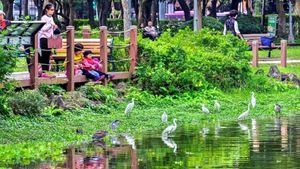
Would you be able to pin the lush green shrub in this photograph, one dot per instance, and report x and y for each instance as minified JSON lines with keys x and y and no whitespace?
{"x":99,"y":93}
{"x":27,"y":102}
{"x":192,"y":61}
{"x":8,"y":59}
{"x":5,"y":91}
{"x":49,"y":90}
{"x":212,"y":23}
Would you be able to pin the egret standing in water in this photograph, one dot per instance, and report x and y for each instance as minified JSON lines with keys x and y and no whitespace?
{"x":164,"y":117}
{"x":217,"y":106}
{"x":129,"y":107}
{"x":277,"y":108}
{"x":245,"y":114}
{"x":205,"y":109}
{"x":253,"y":100}
{"x":171,"y":128}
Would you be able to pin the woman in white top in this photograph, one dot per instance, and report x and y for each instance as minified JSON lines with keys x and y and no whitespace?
{"x":231,"y":24}
{"x":45,"y":33}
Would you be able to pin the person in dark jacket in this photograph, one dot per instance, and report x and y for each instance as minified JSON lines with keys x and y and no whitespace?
{"x":231,"y":24}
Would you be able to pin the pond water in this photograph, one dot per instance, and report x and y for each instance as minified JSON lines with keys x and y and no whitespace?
{"x":253,"y":143}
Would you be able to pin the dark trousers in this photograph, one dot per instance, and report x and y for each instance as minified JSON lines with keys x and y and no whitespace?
{"x":44,"y":59}
{"x":95,"y":74}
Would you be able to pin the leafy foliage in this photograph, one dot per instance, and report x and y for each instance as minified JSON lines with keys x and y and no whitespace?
{"x":99,"y":93}
{"x":192,"y":61}
{"x":48,"y":90}
{"x":27,"y":102}
{"x":8,"y":58}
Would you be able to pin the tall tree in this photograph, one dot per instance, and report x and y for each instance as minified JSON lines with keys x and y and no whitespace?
{"x":91,"y":12}
{"x":8,"y":8}
{"x":26,"y":8}
{"x":126,"y":17}
{"x":104,"y":7}
{"x":186,"y":9}
{"x":281,"y":18}
{"x":235,"y":4}
{"x":154,"y":10}
{"x":297,"y":7}
{"x":71,"y":15}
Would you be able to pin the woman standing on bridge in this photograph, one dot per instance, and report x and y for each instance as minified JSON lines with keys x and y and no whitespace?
{"x":44,"y":34}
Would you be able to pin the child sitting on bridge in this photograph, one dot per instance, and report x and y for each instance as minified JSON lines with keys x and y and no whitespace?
{"x":78,"y":47}
{"x":92,"y":68}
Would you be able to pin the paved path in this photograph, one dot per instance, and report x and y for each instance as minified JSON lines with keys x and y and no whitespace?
{"x":276,"y":61}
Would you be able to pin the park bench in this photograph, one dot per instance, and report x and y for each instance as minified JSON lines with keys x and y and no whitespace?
{"x":89,"y":44}
{"x":257,"y":37}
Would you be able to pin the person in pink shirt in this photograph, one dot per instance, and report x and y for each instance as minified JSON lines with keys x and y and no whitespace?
{"x":92,"y":68}
{"x":44,"y":34}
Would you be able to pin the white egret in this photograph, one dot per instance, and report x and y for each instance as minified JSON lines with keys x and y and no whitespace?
{"x":130,"y":140}
{"x":171,"y":128}
{"x":277,"y":108}
{"x":129,"y":107}
{"x":205,"y":109}
{"x":253,"y":100}
{"x":217,"y":106}
{"x":164,"y":117}
{"x":243,"y":126}
{"x":169,"y":142}
{"x":245,"y":114}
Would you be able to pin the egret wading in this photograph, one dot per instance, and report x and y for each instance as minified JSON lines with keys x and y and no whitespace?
{"x":129,"y":107}
{"x":171,"y":128}
{"x":164,"y":117}
{"x":253,"y":100}
{"x":245,"y":114}
{"x":217,"y":106}
{"x":205,"y":109}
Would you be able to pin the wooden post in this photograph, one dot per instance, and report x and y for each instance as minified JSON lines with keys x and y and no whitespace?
{"x":70,"y":58}
{"x":35,"y":64}
{"x":255,"y":53}
{"x":103,"y":49}
{"x":283,"y":44}
{"x":134,"y":159}
{"x":133,"y":48}
{"x":71,"y":158}
{"x":86,"y":32}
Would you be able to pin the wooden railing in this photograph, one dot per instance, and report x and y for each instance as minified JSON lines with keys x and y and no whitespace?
{"x":70,"y":78}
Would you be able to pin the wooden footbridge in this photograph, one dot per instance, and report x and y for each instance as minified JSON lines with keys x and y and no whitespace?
{"x":31,"y":78}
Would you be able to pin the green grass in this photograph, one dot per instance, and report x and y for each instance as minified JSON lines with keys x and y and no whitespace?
{"x":291,"y":68}
{"x":293,"y":52}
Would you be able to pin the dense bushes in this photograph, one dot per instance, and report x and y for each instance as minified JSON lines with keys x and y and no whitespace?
{"x":27,"y":102}
{"x":8,"y":59}
{"x":192,"y":61}
{"x":248,"y":24}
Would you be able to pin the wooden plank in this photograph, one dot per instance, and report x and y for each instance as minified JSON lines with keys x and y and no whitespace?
{"x":121,"y":75}
{"x":70,"y":58}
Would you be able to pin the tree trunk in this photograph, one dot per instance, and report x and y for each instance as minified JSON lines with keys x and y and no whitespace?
{"x":126,"y":18}
{"x":103,"y":9}
{"x":91,"y":12}
{"x":8,"y":8}
{"x":281,"y":18}
{"x":154,"y":10}
{"x":26,"y":8}
{"x":200,"y":14}
{"x":186,"y":9}
{"x":71,"y":15}
{"x":39,"y":4}
{"x":235,"y":4}
{"x":141,"y":14}
{"x":213,"y":11}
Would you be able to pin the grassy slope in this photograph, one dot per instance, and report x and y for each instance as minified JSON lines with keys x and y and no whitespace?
{"x":293,"y":52}
{"x":291,"y":68}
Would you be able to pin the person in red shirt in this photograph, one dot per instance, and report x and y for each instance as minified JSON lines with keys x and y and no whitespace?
{"x":92,"y":68}
{"x":3,"y":22}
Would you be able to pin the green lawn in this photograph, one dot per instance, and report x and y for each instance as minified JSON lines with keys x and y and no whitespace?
{"x":293,"y":52}
{"x":291,"y":68}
